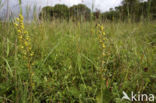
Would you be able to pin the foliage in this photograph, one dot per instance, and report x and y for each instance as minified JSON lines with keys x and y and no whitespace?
{"x":134,"y":10}
{"x":80,"y":11}
{"x":46,"y":13}
{"x":130,"y":9}
{"x":77,"y":12}
{"x":58,"y":11}
{"x":61,"y":11}
{"x":67,"y":62}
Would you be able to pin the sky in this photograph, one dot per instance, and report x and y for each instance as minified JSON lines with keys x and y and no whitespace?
{"x":30,"y":5}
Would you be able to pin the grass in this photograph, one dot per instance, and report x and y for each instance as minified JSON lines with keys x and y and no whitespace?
{"x":67,"y":60}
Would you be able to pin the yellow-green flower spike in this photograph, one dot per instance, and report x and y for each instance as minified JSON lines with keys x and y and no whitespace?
{"x":23,"y":38}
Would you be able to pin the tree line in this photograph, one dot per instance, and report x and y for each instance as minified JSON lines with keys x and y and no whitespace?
{"x":129,"y":9}
{"x":61,"y":11}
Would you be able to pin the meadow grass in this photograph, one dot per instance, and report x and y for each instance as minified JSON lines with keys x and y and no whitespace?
{"x":66,"y":66}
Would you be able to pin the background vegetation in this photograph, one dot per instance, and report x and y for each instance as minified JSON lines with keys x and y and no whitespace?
{"x":69,"y":64}
{"x":130,"y":9}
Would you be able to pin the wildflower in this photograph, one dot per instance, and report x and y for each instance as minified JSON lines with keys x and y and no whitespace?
{"x":22,"y":47}
{"x":103,"y":33}
{"x":17,"y":19}
{"x":104,"y":54}
{"x":22,"y":26}
{"x":19,"y":31}
{"x":32,"y":54}
{"x":101,"y":36}
{"x":27,"y":38}
{"x":21,"y":17}
{"x":101,"y":27}
{"x":102,"y":40}
{"x":20,"y":36}
{"x":24,"y":38}
{"x":26,"y":43}
{"x":103,"y":45}
{"x":16,"y":24}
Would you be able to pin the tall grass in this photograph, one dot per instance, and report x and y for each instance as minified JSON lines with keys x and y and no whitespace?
{"x":67,"y":62}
